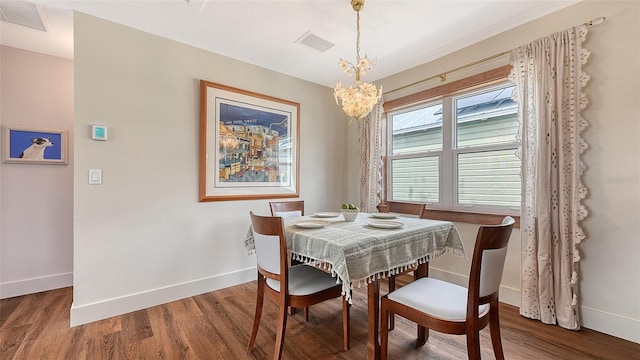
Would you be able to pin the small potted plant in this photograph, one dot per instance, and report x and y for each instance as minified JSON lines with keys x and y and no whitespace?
{"x":350,"y":212}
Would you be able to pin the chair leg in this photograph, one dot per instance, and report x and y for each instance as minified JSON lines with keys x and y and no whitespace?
{"x":392,"y":287}
{"x":422,"y":332}
{"x":473,"y":344}
{"x":258,"y":313}
{"x":422,"y":335}
{"x":282,"y":327}
{"x":494,"y":327}
{"x":385,"y":315}
{"x":292,"y":310}
{"x":346,"y":323}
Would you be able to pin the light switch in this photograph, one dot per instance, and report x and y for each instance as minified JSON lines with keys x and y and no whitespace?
{"x":95,"y":176}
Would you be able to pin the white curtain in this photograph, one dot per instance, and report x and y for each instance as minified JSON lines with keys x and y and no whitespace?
{"x":372,"y":150}
{"x":549,"y":80}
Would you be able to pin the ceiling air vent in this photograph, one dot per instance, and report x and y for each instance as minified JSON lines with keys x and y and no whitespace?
{"x":315,"y":42}
{"x":23,"y":13}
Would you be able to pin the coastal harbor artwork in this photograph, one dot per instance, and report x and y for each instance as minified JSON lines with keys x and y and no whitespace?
{"x":254,"y":146}
{"x":249,"y":145}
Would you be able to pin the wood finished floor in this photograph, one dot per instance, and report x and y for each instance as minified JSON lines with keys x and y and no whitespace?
{"x":216,"y":325}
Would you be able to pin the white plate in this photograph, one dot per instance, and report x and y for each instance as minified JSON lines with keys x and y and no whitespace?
{"x":384,"y":215}
{"x":385,"y":224}
{"x":311,"y":224}
{"x":326,"y":214}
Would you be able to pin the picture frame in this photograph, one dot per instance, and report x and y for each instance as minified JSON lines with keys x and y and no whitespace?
{"x":249,"y":145}
{"x":26,"y":145}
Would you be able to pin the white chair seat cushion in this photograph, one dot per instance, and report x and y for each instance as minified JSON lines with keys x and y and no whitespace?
{"x":435,"y":297}
{"x":289,"y":214}
{"x":305,"y":280}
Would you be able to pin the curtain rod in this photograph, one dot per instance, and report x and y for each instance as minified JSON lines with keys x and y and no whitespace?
{"x":443,"y":75}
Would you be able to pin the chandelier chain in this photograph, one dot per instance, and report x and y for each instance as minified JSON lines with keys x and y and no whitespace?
{"x":358,"y":36}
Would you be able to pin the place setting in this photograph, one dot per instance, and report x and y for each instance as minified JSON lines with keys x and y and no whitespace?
{"x":311,"y":224}
{"x":326,"y":214}
{"x":382,"y":215}
{"x":385,"y":224}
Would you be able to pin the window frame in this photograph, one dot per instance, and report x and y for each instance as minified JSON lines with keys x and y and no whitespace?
{"x":469,"y":85}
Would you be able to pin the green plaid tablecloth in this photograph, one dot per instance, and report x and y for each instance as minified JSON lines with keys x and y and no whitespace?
{"x":358,"y":253}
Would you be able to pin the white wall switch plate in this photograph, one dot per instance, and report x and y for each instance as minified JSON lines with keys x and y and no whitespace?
{"x":95,"y":176}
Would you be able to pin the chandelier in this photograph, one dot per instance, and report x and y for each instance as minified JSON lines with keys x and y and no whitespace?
{"x":357,"y":100}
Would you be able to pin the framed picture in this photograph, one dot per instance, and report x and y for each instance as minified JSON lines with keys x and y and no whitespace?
{"x":23,"y":145}
{"x":249,"y":145}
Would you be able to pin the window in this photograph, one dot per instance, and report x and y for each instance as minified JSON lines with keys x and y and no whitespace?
{"x":457,"y":153}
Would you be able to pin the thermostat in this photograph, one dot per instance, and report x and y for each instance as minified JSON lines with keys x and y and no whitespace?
{"x":99,"y":132}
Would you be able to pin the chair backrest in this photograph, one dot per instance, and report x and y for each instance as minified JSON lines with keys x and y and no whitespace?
{"x":271,"y":248}
{"x":488,"y":262}
{"x":403,"y":207}
{"x":287,"y":208}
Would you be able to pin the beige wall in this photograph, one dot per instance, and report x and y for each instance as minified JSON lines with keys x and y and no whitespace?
{"x":610,"y":289}
{"x":36,"y":201}
{"x":142,"y":237}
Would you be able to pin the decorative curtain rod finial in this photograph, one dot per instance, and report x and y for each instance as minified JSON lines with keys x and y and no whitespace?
{"x":596,"y":21}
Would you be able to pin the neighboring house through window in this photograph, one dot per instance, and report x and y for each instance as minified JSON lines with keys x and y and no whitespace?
{"x":458,"y":152}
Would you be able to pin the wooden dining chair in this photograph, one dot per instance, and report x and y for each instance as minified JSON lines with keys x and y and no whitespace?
{"x":453,"y":309}
{"x":287,"y":208}
{"x":303,"y":285}
{"x":407,"y":208}
{"x":402,"y":207}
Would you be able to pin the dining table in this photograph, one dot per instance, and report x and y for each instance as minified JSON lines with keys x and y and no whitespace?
{"x":363,"y":251}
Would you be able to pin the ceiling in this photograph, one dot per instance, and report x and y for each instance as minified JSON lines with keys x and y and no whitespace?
{"x":398,"y":34}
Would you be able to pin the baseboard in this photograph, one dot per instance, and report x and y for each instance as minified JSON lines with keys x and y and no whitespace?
{"x":612,"y":324}
{"x":35,"y":285}
{"x":87,"y":313}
